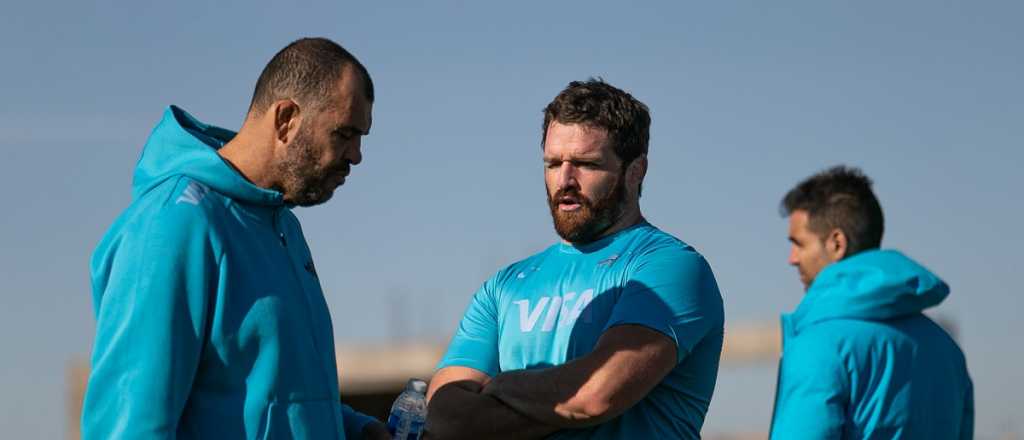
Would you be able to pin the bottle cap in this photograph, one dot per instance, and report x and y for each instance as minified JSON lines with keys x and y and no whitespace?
{"x":416,"y":385}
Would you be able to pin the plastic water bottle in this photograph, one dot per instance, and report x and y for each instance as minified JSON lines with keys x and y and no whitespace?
{"x":409,"y":412}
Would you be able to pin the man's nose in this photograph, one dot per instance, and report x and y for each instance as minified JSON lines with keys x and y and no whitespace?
{"x":354,"y":154}
{"x":793,"y":261}
{"x":567,"y":176}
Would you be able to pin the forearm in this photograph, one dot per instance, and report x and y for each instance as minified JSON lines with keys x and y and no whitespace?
{"x":456,"y":412}
{"x":628,"y":362}
{"x":551,"y":396}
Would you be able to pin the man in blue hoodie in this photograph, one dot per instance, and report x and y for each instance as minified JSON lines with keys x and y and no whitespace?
{"x":859,"y":359}
{"x":210,"y":318}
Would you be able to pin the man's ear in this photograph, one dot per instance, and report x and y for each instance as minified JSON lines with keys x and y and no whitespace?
{"x":836,"y":245}
{"x":636,"y":171}
{"x":287,"y":120}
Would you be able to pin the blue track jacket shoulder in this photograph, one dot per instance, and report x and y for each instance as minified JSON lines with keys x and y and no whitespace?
{"x":860,"y":360}
{"x":210,"y":318}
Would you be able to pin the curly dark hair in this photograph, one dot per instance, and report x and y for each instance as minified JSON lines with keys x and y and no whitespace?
{"x":839,"y":198}
{"x":598,"y":104}
{"x":305,"y":70}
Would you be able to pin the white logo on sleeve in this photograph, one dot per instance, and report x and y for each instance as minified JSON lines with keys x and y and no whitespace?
{"x":608,"y":261}
{"x":558,"y":311}
{"x":193,"y":193}
{"x":526,"y":272}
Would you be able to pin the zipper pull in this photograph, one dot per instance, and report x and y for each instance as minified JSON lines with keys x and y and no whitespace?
{"x":283,"y":241}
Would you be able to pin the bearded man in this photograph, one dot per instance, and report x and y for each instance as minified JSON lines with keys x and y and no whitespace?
{"x":614,"y":332}
{"x":210,"y":320}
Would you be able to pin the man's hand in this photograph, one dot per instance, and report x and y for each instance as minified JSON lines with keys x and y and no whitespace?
{"x":376,"y":431}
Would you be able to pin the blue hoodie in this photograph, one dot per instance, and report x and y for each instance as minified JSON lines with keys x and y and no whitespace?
{"x":860,"y":361}
{"x":210,"y":318}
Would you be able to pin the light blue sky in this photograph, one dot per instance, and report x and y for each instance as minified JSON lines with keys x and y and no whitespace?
{"x":747,"y":98}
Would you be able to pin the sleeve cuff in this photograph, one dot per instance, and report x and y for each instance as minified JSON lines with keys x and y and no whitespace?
{"x":467,"y":362}
{"x":665,"y":329}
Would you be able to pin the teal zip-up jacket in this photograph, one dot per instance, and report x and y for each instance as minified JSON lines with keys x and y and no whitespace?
{"x":210,"y":318}
{"x":860,"y":360}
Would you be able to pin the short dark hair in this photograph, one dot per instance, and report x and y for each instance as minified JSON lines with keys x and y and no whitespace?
{"x":306,"y":70}
{"x":839,"y":198}
{"x":598,"y":104}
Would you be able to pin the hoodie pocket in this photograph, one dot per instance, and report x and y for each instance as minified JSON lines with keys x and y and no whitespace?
{"x":310,"y":419}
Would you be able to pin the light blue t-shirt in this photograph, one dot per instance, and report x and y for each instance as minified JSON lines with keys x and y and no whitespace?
{"x":552,"y":307}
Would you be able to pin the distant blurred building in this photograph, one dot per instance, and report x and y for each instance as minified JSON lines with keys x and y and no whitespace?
{"x":371,"y":377}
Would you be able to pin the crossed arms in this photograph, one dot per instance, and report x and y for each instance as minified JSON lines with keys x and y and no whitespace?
{"x":626,"y":364}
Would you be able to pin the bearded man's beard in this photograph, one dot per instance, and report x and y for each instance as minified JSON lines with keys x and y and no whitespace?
{"x":591,"y":219}
{"x":303,"y":184}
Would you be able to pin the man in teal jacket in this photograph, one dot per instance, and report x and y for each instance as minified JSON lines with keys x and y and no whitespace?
{"x":210,"y":318}
{"x":859,"y":359}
